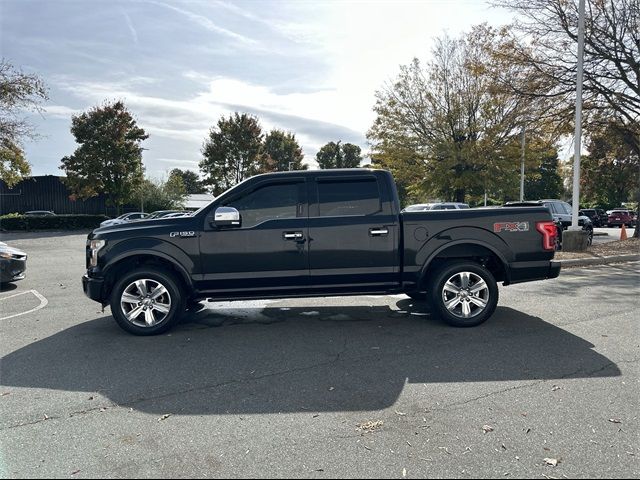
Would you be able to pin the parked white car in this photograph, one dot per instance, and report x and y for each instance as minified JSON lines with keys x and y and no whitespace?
{"x":127,"y":217}
{"x":421,"y":207}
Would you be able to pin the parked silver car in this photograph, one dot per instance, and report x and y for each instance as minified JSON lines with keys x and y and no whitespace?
{"x":126,"y":218}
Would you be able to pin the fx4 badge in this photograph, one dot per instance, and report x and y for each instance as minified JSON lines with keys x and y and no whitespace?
{"x":511,"y":227}
{"x":182,"y":234}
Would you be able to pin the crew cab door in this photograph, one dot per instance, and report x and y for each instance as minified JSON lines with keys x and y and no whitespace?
{"x":268,"y":250}
{"x":353,"y":233}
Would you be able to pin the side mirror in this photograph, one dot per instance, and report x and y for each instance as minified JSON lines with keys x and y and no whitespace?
{"x":226,"y":217}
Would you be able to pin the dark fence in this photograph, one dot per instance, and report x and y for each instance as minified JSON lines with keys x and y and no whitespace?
{"x":51,"y":222}
{"x":49,"y":193}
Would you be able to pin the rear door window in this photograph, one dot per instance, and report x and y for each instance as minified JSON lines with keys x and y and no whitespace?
{"x":348,"y":197}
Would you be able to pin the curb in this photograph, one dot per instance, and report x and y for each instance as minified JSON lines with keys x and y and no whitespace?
{"x":583,"y":262}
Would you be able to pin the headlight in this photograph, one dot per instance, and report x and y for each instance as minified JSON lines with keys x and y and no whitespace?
{"x":94,"y":248}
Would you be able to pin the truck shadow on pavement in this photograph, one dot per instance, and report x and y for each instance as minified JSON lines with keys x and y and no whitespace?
{"x":245,"y":361}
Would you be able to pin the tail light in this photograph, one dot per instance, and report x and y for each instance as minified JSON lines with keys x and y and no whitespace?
{"x":549,"y":234}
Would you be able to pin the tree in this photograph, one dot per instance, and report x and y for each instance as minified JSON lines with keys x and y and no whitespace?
{"x":351,"y":155}
{"x":19,"y":93}
{"x":190,"y":181}
{"x":281,"y":152}
{"x":611,"y":171}
{"x":334,"y":155}
{"x":543,"y":180}
{"x":109,"y":158}
{"x":13,"y":166}
{"x":231,"y":151}
{"x":408,"y":170}
{"x":543,"y":43}
{"x":163,"y":195}
{"x":453,"y":117}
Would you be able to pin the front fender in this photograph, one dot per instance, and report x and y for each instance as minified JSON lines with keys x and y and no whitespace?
{"x":150,"y":247}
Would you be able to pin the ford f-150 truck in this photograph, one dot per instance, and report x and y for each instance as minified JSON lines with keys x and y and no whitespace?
{"x":316,"y":233}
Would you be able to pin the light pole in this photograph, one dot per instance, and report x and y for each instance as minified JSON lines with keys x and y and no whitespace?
{"x":141,"y":187}
{"x":578,"y":132}
{"x":522,"y":166}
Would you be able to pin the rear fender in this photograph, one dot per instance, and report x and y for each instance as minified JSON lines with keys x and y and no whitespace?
{"x":459,"y":236}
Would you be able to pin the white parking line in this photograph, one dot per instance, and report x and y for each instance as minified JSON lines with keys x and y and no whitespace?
{"x":43,"y":303}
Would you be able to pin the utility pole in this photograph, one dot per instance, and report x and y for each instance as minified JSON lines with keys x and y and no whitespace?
{"x":522,"y":166}
{"x":578,"y":133}
{"x":141,"y":187}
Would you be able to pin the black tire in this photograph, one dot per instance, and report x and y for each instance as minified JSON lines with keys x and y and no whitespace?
{"x":465,"y":296}
{"x":166,"y":309}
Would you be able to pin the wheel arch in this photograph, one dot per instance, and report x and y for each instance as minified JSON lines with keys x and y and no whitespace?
{"x":481,"y":252}
{"x":135,"y":259}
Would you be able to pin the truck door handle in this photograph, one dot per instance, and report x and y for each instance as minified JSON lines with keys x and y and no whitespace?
{"x":378,"y":232}
{"x":292,"y":235}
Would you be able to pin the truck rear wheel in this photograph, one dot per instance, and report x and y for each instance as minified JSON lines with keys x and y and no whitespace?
{"x":464,"y":294}
{"x":147,"y":301}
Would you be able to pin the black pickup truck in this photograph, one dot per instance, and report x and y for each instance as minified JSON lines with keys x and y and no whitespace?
{"x":316,"y":233}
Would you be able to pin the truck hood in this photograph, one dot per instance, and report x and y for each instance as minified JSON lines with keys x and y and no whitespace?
{"x":145,"y":227}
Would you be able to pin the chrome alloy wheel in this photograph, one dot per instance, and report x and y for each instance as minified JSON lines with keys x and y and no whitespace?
{"x":465,"y":294}
{"x":145,"y":302}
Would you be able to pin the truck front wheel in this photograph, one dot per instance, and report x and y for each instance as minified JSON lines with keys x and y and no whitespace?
{"x":147,"y":301}
{"x":464,"y":294}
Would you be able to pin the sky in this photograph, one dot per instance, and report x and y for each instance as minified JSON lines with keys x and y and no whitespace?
{"x":309,"y":67}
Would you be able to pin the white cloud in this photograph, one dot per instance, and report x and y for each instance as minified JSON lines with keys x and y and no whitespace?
{"x":60,"y":111}
{"x":206,"y":23}
{"x":132,"y":30}
{"x":308,"y":67}
{"x":308,"y":115}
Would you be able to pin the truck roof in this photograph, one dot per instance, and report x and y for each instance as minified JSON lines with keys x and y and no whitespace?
{"x":330,"y":171}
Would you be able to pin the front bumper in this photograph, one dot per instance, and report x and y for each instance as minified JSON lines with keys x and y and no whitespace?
{"x":93,"y":287}
{"x":13,"y":269}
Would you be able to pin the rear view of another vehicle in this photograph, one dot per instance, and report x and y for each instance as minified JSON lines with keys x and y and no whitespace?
{"x":617,"y":218}
{"x":593,"y":215}
{"x":603,"y":217}
{"x":13,"y":263}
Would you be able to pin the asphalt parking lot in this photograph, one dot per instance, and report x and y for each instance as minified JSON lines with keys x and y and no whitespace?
{"x":604,"y":235}
{"x":320,"y":388}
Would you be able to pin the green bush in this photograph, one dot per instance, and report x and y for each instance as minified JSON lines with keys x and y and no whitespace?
{"x":54,"y":222}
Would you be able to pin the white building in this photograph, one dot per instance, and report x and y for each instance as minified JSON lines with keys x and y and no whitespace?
{"x":198,"y":200}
